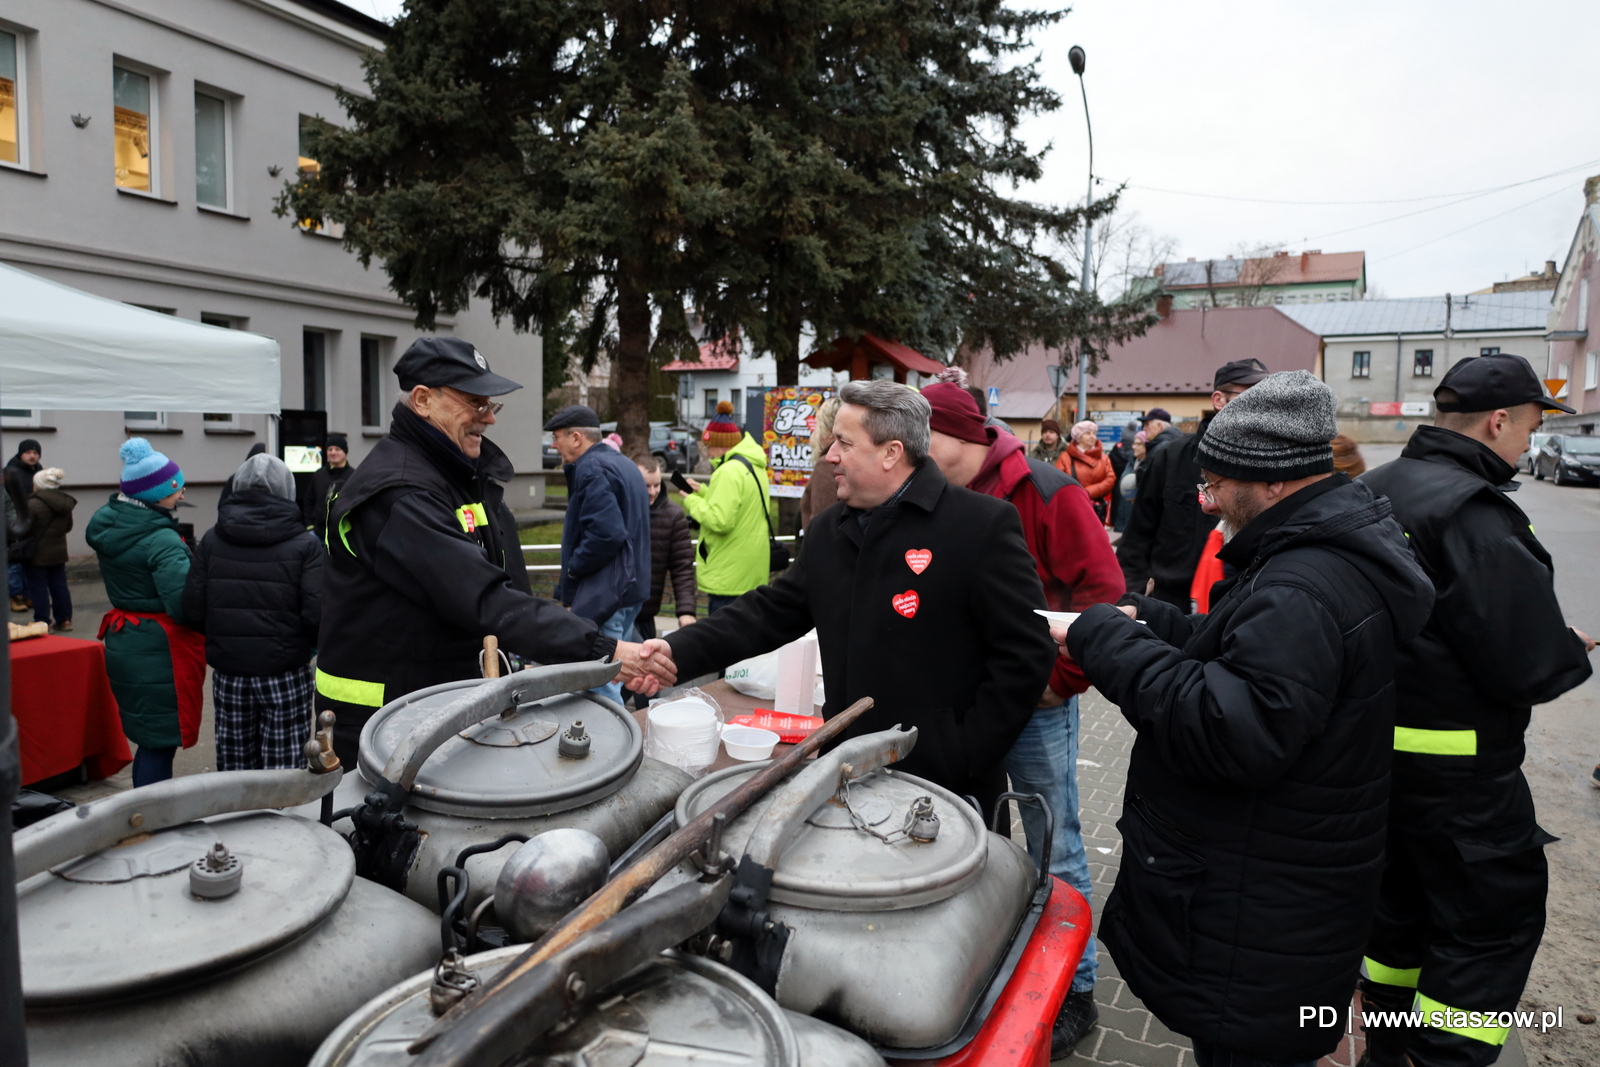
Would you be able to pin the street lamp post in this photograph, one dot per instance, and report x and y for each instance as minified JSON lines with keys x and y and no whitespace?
{"x":1078,"y":59}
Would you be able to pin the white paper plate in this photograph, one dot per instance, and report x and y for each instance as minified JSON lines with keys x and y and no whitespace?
{"x":1059,"y":618}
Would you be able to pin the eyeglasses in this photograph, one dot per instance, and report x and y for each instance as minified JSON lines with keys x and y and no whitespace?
{"x":488,"y":407}
{"x":1208,"y":491}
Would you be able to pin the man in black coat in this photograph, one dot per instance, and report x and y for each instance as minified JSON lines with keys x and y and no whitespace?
{"x":1253,"y":818}
{"x":255,"y":590}
{"x":423,"y":556}
{"x":327,"y":483}
{"x":1167,"y":527}
{"x":19,"y":473}
{"x":922,"y":595}
{"x":1462,"y":906}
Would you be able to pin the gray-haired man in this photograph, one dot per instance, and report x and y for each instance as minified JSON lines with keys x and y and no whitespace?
{"x":921,"y":593}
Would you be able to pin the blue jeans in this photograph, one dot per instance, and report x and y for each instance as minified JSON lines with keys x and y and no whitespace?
{"x":1045,"y":761}
{"x":716,"y":602}
{"x":47,"y":585}
{"x":151,"y":765}
{"x":14,"y":579}
{"x":618,"y":624}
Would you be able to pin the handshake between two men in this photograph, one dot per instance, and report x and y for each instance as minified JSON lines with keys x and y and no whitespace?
{"x":647,"y":668}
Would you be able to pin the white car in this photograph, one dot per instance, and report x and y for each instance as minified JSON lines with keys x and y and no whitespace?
{"x":1535,"y":442}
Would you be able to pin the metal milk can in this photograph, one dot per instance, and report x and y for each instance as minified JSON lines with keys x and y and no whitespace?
{"x":872,"y":899}
{"x":182,"y":923}
{"x":461,"y":774}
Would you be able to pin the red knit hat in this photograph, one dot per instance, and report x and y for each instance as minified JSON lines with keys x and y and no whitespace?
{"x":722,"y":431}
{"x":955,"y":413}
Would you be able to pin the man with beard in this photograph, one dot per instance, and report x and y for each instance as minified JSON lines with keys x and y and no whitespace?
{"x":1462,"y":906}
{"x":1167,"y":527}
{"x":1253,"y":820}
{"x":423,"y":556}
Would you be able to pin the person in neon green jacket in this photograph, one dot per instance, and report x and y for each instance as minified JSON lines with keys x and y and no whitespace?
{"x":734,"y":511}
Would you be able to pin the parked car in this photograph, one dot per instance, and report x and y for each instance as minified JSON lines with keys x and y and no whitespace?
{"x":1569,"y":460}
{"x":552,"y":458}
{"x":677,"y":447}
{"x":1535,"y":442}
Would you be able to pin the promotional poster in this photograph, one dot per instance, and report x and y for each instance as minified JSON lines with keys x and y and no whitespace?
{"x":789,"y":418}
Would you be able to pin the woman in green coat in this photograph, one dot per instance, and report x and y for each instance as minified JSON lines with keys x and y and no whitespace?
{"x":156,"y":664}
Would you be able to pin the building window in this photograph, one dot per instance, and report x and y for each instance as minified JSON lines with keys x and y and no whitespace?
{"x":12,"y":141}
{"x":1591,"y":370}
{"x":737,"y":396}
{"x":314,"y":370}
{"x":309,"y":124}
{"x":134,"y":139}
{"x":21,"y":418}
{"x":711,"y":404}
{"x":1361,"y":364}
{"x":1422,"y":363}
{"x":211,"y":177}
{"x":1488,"y":351}
{"x":372,"y":382}
{"x":1564,"y":373}
{"x":144,"y":420}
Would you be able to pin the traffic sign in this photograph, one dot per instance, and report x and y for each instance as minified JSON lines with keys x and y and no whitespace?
{"x":1058,"y":378}
{"x":994,"y":396}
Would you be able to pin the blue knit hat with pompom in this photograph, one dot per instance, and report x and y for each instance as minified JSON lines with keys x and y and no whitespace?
{"x":146,"y":474}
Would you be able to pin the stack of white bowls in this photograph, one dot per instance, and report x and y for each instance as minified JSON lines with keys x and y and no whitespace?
{"x":684,"y":733}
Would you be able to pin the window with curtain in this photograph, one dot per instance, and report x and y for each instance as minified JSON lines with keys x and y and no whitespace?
{"x":10,"y":100}
{"x":211,"y":150}
{"x":1422,"y":363}
{"x":1361,"y":364}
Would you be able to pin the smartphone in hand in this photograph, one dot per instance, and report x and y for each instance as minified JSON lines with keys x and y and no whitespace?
{"x":679,"y":482}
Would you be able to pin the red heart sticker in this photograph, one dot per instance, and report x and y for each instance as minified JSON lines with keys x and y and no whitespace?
{"x":918,"y":559}
{"x":906,"y":603}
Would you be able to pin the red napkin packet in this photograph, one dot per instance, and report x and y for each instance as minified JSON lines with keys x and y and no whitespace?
{"x":789,"y":728}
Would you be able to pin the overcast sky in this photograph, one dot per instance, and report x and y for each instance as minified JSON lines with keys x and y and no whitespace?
{"x":1363,"y":100}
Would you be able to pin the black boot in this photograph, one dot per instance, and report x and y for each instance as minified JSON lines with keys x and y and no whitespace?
{"x":1077,"y":1017}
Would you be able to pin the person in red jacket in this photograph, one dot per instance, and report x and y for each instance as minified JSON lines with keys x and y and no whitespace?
{"x":1085,"y":459}
{"x":1077,"y":568}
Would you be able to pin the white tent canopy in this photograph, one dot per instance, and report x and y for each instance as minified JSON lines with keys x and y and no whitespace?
{"x":62,"y":349}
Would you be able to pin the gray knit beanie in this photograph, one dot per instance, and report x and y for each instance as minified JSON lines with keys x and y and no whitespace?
{"x":1280,"y":429}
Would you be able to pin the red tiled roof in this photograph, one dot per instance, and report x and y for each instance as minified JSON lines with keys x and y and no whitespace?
{"x":1179,"y":354}
{"x":838,"y":355}
{"x":713,"y":357}
{"x":1296,"y":268}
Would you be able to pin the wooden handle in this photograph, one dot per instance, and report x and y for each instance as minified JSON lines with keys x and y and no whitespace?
{"x":491,"y":656}
{"x":632,"y":882}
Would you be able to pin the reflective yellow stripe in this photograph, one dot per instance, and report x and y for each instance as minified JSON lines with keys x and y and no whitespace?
{"x":472,"y":517}
{"x":1385,"y":975}
{"x":350,"y":690}
{"x":1436,"y":742}
{"x":344,"y":535}
{"x":1443,"y":1017}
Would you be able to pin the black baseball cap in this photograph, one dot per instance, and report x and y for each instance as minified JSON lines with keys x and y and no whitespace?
{"x":1484,"y":383}
{"x":1240,"y":372}
{"x":573,"y":416}
{"x":1157,"y":413}
{"x":441,"y":361}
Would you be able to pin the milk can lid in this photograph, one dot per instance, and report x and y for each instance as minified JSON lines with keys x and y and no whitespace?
{"x":834,"y":864}
{"x":529,"y":762}
{"x":126,"y":920}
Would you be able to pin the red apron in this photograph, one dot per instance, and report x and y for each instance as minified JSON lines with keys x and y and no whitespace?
{"x":1207,"y":574}
{"x":188,"y":650}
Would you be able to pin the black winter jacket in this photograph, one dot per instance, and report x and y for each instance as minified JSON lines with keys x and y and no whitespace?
{"x":671,"y":550}
{"x":423,"y":563}
{"x":1253,"y":821}
{"x":325,"y":484}
{"x":19,"y":480}
{"x":255,"y":587}
{"x":1166,"y":529}
{"x":1496,"y":644}
{"x":954,"y":650}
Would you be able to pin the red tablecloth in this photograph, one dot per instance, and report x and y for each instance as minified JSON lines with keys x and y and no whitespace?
{"x":65,"y":712}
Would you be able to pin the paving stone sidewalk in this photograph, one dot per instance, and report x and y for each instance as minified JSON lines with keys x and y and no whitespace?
{"x":1128,"y":1033}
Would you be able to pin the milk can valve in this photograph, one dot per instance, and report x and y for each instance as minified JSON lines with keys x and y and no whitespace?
{"x":574,"y":744}
{"x":216,"y":875}
{"x":924,"y":822}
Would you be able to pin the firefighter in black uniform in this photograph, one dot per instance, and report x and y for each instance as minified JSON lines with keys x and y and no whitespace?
{"x":1461,"y":908}
{"x":423,"y":555}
